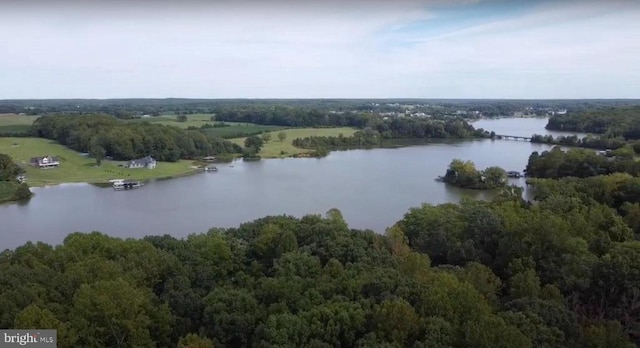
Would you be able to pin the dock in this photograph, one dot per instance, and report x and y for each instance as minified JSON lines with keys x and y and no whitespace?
{"x":120,"y":185}
{"x":512,"y":137}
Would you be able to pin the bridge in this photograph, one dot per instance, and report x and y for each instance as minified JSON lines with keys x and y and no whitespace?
{"x":512,"y":137}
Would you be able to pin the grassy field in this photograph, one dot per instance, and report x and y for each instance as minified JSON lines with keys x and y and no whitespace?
{"x":275,"y":147}
{"x":77,"y":168}
{"x":240,"y":128}
{"x":12,"y":123}
{"x":198,"y":120}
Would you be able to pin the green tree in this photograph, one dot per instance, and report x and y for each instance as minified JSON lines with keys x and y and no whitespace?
{"x":254,"y":142}
{"x":34,"y":317}
{"x":8,"y":169}
{"x":282,"y":136}
{"x":98,"y":152}
{"x":266,"y":137}
{"x":182,"y":118}
{"x":114,"y":313}
{"x":22,"y":192}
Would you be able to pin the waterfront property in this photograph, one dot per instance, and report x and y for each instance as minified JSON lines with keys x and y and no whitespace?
{"x":44,"y":162}
{"x":146,"y":162}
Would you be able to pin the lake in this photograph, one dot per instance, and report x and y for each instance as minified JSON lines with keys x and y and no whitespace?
{"x":373,"y":189}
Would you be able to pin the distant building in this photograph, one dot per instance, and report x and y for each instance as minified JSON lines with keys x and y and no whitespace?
{"x":44,"y":162}
{"x":146,"y":162}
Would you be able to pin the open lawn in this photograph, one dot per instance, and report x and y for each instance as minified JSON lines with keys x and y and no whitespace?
{"x":198,"y":120}
{"x":75,"y":167}
{"x":12,"y":123}
{"x":195,"y":120}
{"x":275,"y":147}
{"x":240,"y":128}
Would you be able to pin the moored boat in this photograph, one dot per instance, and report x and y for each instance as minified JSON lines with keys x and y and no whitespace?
{"x":126,"y":185}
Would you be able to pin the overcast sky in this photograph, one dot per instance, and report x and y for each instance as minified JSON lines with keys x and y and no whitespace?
{"x":320,"y":49}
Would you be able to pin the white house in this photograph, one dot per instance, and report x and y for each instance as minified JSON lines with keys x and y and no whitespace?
{"x":44,"y":162}
{"x":146,"y":162}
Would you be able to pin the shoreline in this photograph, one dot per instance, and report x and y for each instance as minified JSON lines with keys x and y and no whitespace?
{"x":88,"y":182}
{"x":302,"y":155}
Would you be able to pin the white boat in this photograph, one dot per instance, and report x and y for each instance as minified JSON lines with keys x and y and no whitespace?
{"x":210,"y":169}
{"x":126,"y":185}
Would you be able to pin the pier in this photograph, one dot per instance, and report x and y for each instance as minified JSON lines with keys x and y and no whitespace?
{"x":512,"y":137}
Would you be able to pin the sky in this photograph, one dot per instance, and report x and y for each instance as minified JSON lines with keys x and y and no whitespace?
{"x":506,"y":49}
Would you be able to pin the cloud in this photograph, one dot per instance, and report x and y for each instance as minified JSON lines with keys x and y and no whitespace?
{"x":316,"y":49}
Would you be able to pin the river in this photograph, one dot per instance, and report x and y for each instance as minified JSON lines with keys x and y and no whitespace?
{"x":373,"y":189}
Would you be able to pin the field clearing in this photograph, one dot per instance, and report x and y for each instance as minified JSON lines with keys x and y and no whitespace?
{"x":195,"y":120}
{"x":16,"y":120}
{"x":239,"y":128}
{"x":12,"y":123}
{"x":276,"y":148}
{"x":75,"y":167}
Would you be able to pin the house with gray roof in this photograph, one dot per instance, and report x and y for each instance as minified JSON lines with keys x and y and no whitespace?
{"x":146,"y":162}
{"x":44,"y":162}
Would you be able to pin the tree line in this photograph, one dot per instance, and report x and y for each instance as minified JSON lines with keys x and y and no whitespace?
{"x":397,"y":128}
{"x":589,"y":141}
{"x":103,"y":135}
{"x":612,"y":122}
{"x":580,"y":163}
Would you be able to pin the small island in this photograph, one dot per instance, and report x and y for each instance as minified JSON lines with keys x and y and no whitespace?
{"x":464,"y":174}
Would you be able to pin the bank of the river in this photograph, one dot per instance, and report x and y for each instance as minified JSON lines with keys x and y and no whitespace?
{"x":275,"y":148}
{"x":74,"y":167}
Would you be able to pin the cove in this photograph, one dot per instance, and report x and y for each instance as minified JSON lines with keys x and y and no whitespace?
{"x":373,"y":189}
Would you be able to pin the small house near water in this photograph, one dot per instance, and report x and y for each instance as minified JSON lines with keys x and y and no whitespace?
{"x":44,"y":162}
{"x":146,"y":162}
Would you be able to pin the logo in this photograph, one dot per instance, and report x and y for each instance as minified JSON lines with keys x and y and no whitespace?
{"x":28,"y":338}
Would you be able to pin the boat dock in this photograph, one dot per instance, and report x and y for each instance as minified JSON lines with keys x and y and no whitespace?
{"x":120,"y":185}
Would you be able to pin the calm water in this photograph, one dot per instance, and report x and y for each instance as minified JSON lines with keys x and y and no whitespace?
{"x":372,"y":188}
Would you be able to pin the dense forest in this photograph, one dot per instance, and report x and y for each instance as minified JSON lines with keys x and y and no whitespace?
{"x":464,"y":174}
{"x":505,"y":273}
{"x":103,"y":135}
{"x":10,"y":188}
{"x":580,"y":163}
{"x":613,"y":122}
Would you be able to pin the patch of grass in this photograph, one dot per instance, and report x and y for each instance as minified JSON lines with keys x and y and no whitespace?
{"x":77,"y":168}
{"x":275,"y":148}
{"x":12,"y":123}
{"x":248,"y":128}
{"x":195,"y":120}
{"x":16,"y":128}
{"x":16,"y":120}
